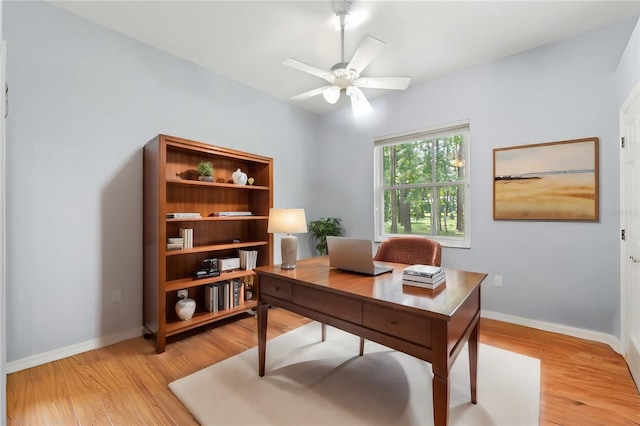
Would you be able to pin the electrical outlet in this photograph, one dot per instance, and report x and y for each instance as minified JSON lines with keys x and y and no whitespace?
{"x":183,"y":294}
{"x":497,"y":281}
{"x":116,"y":296}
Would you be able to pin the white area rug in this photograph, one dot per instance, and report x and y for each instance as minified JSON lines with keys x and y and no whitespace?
{"x":310,"y":382}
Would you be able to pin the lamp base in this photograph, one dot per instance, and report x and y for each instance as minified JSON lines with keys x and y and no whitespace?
{"x":289,"y":251}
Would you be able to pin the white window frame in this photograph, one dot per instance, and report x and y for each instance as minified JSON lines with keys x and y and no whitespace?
{"x":458,"y":127}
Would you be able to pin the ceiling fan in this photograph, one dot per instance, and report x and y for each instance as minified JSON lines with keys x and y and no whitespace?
{"x":345,"y":76}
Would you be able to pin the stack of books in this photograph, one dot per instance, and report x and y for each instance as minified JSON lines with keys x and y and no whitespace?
{"x":231,"y":214}
{"x":425,"y":276}
{"x":248,"y":258}
{"x":183,"y":215}
{"x":185,"y":240}
{"x":175,"y":243}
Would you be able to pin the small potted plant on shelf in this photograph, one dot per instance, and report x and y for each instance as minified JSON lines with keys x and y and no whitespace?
{"x":323,"y":227}
{"x":205,"y":171}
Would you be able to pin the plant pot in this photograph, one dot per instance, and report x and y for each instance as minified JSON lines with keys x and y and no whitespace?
{"x":205,"y":178}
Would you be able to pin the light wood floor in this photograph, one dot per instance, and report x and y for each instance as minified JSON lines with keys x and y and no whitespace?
{"x":582,"y":383}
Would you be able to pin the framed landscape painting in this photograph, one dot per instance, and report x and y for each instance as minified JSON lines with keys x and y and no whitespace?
{"x":547,"y":181}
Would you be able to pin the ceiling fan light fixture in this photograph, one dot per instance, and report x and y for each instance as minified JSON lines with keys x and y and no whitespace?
{"x":359,"y":104}
{"x":346,"y":75}
{"x":331,"y":94}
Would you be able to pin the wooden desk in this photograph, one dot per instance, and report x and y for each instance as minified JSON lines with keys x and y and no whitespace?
{"x":432,"y":325}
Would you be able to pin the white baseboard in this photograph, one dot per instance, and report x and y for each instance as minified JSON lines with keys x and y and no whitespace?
{"x":89,"y":345}
{"x":56,"y":354}
{"x":581,"y":333}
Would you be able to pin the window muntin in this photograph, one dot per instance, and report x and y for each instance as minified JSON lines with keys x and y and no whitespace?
{"x":422,"y":185}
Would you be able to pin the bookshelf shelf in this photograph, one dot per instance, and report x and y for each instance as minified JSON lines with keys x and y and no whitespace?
{"x":171,"y":186}
{"x":216,"y":247}
{"x":201,"y":318}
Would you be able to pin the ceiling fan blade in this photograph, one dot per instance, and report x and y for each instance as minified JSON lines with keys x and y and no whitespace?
{"x":368,"y":49}
{"x":309,"y":94}
{"x":391,"y":83}
{"x":301,"y":66}
{"x":359,"y":103}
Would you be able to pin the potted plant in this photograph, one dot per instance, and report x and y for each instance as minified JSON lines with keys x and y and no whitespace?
{"x":205,"y":171}
{"x":323,"y":227}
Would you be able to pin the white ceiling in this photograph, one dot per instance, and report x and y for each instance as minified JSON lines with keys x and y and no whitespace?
{"x":248,"y":40}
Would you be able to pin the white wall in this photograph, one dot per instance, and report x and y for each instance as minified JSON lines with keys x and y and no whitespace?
{"x":84,"y":100}
{"x":628,"y":70}
{"x":558,"y":272}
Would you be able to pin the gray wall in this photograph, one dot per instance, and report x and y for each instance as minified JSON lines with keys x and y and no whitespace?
{"x":559,"y":272}
{"x":84,"y":100}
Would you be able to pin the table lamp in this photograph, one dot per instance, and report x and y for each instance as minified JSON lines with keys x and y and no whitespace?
{"x":287,"y":221}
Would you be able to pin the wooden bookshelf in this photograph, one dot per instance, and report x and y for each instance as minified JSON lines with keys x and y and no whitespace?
{"x":171,"y":186}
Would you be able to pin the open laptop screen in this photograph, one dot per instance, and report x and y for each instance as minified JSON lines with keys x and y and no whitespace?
{"x":353,"y":254}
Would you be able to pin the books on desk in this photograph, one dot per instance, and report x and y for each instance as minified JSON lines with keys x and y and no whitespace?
{"x":425,"y":276}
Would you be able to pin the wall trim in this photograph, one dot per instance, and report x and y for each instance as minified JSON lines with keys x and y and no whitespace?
{"x":56,"y":354}
{"x":89,"y":345}
{"x":581,"y":333}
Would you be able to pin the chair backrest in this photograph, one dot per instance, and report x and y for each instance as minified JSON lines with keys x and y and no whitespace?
{"x":410,"y":251}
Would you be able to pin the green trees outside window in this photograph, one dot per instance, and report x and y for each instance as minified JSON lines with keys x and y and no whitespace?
{"x":423,"y":185}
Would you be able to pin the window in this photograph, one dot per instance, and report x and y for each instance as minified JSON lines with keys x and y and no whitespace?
{"x":422,"y":185}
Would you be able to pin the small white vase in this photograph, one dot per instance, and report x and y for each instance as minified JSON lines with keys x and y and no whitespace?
{"x":239,"y":178}
{"x":185,"y":308}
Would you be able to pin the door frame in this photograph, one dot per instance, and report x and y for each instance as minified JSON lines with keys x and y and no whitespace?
{"x":3,"y":235}
{"x":625,"y":218}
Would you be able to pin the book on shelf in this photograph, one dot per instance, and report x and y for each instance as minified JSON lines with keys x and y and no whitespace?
{"x":232,"y":214}
{"x":422,"y":282}
{"x":425,"y":271}
{"x":187,"y":237}
{"x":211,"y":293}
{"x":180,"y":215}
{"x":224,"y":295}
{"x":237,"y":291}
{"x":248,"y":259}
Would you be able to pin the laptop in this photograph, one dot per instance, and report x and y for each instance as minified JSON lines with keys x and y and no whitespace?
{"x":354,"y":255}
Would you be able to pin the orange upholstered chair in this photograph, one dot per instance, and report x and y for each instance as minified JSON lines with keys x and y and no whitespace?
{"x":410,"y":250}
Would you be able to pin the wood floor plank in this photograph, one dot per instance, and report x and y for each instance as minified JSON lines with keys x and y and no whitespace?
{"x":582,"y":382}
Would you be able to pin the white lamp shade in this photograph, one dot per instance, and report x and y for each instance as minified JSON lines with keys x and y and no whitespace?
{"x":286,"y":221}
{"x":331,"y":94}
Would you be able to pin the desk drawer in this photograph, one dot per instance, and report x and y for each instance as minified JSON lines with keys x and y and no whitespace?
{"x":275,"y":288}
{"x":331,"y":304}
{"x":398,"y":324}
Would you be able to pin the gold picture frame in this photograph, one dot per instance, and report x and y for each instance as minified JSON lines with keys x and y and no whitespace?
{"x":547,"y":181}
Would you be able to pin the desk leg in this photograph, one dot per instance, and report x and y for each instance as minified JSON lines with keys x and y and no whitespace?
{"x":262,"y":311}
{"x":440,"y":400}
{"x":473,"y":362}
